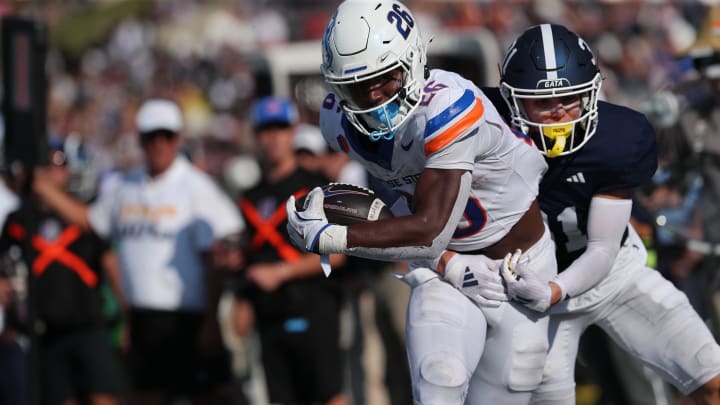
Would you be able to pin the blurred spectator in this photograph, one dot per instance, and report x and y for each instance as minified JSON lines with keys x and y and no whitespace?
{"x":14,"y":364}
{"x":378,"y":372}
{"x":296,"y":311}
{"x":76,"y":363}
{"x":164,"y":223}
{"x":310,"y":148}
{"x":8,"y":199}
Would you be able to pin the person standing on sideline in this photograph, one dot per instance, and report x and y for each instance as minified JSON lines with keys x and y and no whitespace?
{"x":296,"y":311}
{"x":164,"y":223}
{"x":76,"y":362}
{"x":464,"y":184}
{"x":597,"y":153}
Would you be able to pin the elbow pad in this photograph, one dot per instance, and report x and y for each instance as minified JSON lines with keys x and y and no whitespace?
{"x":607,"y":221}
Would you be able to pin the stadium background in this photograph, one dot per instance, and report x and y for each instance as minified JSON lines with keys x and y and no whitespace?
{"x":212,"y":56}
{"x":215,"y":57}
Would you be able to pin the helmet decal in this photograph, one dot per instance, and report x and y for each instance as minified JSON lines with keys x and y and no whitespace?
{"x":548,"y":45}
{"x":404,"y":22}
{"x":327,"y":52}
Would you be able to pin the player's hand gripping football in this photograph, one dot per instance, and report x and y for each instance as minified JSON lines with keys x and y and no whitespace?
{"x":523,"y":284}
{"x":477,"y":277}
{"x":305,"y":227}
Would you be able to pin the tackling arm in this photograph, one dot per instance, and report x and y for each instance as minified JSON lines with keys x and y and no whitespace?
{"x":607,"y":220}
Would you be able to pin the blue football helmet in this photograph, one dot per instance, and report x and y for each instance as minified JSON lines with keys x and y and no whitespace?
{"x":549,"y":61}
{"x":365,"y":40}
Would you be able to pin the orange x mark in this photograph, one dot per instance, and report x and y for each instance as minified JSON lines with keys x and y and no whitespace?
{"x":57,"y":250}
{"x":266,"y":230}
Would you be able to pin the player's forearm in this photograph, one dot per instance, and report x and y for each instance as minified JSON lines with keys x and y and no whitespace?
{"x":413,"y":230}
{"x":422,"y":235}
{"x":388,"y":243}
{"x":607,"y":221}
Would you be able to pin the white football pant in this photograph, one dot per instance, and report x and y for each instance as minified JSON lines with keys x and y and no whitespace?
{"x":461,"y":354}
{"x":645,"y":314}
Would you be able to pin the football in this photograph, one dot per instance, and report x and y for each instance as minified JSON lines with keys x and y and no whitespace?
{"x":347,"y":204}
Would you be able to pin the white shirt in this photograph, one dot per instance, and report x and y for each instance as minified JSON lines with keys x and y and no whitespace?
{"x":454,"y":127}
{"x":160,"y":227}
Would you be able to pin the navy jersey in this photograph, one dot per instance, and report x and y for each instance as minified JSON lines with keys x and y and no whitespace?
{"x":621,"y":154}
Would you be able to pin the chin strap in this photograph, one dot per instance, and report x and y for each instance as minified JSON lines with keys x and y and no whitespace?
{"x":377,"y":135}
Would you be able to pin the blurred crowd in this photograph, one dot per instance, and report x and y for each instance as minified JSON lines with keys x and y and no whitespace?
{"x":207,"y":57}
{"x":204,"y":55}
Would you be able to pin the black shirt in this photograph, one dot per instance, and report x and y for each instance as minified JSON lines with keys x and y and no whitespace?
{"x":266,"y":203}
{"x":65,"y":267}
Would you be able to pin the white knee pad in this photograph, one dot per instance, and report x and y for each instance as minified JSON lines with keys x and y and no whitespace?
{"x":443,"y":379}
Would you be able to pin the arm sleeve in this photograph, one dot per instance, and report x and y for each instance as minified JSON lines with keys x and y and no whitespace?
{"x":431,"y":252}
{"x":607,"y":221}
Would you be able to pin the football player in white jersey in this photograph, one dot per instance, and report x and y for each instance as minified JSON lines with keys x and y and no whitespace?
{"x":597,"y":153}
{"x":466,"y":184}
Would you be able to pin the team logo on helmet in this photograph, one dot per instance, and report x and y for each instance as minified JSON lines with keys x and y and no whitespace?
{"x":327,"y":52}
{"x":553,"y":83}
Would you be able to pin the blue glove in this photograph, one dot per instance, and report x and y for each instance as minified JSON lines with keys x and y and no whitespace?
{"x":305,"y":227}
{"x":523,"y":284}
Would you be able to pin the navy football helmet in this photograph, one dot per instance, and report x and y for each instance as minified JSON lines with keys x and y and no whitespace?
{"x":549,"y":61}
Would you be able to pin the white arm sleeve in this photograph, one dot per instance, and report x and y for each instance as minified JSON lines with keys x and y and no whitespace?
{"x":331,"y":240}
{"x":607,"y":221}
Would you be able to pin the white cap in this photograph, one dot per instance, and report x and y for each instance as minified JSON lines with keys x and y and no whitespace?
{"x":309,"y":138}
{"x":158,"y":114}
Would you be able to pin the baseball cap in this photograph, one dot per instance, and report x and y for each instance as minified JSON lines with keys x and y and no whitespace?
{"x":273,"y":111}
{"x":157,"y":114}
{"x":309,"y":138}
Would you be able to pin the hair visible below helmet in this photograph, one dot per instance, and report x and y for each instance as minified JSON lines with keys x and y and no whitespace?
{"x":366,"y":39}
{"x":549,"y":61}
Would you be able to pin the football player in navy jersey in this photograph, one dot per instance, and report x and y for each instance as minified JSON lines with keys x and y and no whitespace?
{"x":597,"y":153}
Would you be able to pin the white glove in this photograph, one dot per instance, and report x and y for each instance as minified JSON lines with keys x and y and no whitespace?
{"x":523,"y":284}
{"x":305,"y":227}
{"x":476,"y":276}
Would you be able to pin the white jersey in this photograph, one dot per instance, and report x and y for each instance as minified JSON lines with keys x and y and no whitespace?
{"x":160,"y":227}
{"x":454,"y":127}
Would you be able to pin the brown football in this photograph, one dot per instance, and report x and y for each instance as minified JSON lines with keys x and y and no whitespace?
{"x":347,"y":204}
